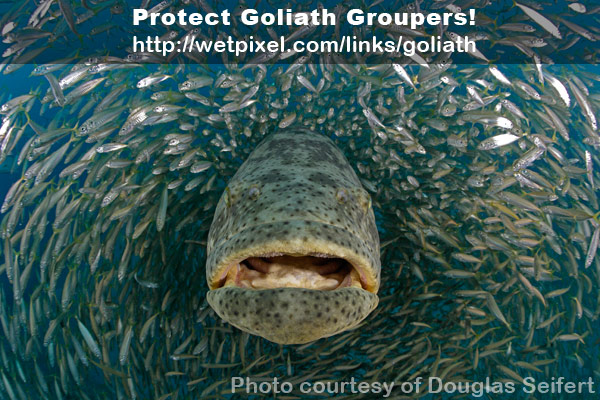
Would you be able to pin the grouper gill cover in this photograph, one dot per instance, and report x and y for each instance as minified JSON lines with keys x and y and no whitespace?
{"x":293,"y":250}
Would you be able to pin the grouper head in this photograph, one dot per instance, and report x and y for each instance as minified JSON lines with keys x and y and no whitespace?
{"x":293,"y":249}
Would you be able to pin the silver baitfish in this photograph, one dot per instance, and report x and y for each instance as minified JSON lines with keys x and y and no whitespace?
{"x":293,"y":249}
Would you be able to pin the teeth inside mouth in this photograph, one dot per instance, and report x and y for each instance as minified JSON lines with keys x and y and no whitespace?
{"x":279,"y":271}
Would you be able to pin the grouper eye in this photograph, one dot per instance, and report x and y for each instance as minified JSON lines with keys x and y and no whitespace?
{"x":293,"y":249}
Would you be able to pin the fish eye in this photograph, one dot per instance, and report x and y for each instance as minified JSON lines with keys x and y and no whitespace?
{"x":341,"y":195}
{"x":253,"y":192}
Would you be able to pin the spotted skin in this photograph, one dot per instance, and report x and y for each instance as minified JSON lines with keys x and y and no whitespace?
{"x":296,"y":194}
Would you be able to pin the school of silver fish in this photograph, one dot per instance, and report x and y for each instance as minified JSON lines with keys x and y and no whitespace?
{"x":483,"y":179}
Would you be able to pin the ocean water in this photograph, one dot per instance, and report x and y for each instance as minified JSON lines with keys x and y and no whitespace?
{"x":484,"y":188}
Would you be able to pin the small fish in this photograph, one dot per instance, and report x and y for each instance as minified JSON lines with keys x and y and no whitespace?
{"x":125,"y":345}
{"x":162,"y":209}
{"x":578,"y":29}
{"x":56,"y":90}
{"x":15,"y":102}
{"x":494,"y":309}
{"x":517,"y":27}
{"x":110,"y":147}
{"x":466,"y":258}
{"x":593,"y":247}
{"x":540,"y":19}
{"x":584,"y":104}
{"x":372,"y":118}
{"x":513,"y":108}
{"x":287,"y":120}
{"x":528,"y":158}
{"x":560,"y":88}
{"x":67,"y":12}
{"x":558,"y":123}
{"x":152,"y":80}
{"x":578,"y":7}
{"x":195,"y":83}
{"x":518,"y":201}
{"x":89,"y":340}
{"x":403,"y":74}
{"x":474,"y":94}
{"x":501,"y":122}
{"x":570,"y":337}
{"x":499,"y":75}
{"x":589,"y":167}
{"x":528,"y":89}
{"x":306,"y":83}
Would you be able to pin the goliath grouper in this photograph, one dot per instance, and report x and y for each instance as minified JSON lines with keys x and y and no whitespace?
{"x":293,"y":249}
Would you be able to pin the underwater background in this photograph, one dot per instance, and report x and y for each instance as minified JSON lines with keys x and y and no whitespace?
{"x":483,"y":177}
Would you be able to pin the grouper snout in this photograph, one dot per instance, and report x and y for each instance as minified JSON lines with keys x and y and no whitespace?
{"x":293,"y":249}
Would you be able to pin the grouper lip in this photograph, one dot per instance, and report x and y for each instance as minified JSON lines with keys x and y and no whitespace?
{"x":296,"y":243}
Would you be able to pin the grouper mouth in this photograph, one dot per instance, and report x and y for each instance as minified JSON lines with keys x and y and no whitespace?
{"x":292,"y":291}
{"x":278,"y":270}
